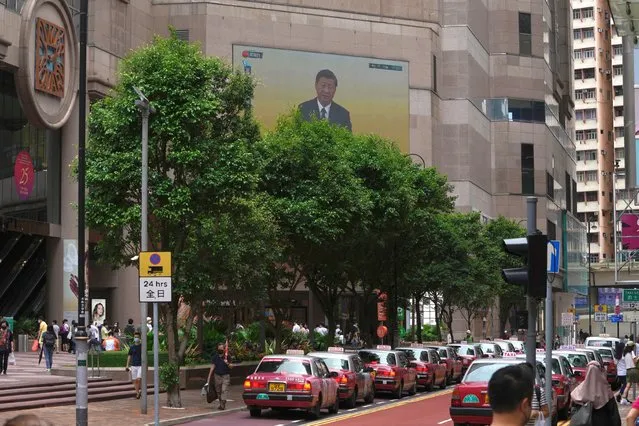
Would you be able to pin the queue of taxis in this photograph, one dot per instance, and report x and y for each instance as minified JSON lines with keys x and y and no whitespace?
{"x":469,"y":401}
{"x":578,"y":361}
{"x":430,"y":368}
{"x":563,"y":380}
{"x":292,"y":380}
{"x":393,"y":372}
{"x":453,"y":363}
{"x":609,"y":362}
{"x":468,"y":352}
{"x":355,"y":381}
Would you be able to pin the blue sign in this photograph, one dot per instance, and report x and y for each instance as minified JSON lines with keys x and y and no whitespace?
{"x":616,"y":318}
{"x":553,"y":256}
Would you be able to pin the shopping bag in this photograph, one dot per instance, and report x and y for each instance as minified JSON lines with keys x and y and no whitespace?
{"x":541,"y":420}
{"x":12,"y":359}
{"x":583,"y":416}
{"x":35,"y":346}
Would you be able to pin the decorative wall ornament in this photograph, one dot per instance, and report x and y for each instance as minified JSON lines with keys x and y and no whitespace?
{"x":49,"y":60}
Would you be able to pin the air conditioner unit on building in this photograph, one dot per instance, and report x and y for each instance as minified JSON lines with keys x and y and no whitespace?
{"x":603,"y":152}
{"x":600,"y":30}
{"x":599,"y":9}
{"x":607,"y":71}
{"x":601,"y":50}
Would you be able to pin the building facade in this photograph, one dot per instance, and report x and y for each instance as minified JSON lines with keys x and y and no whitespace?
{"x":487,"y":97}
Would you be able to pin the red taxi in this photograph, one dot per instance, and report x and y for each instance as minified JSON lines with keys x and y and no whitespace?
{"x":610,"y":365}
{"x":453,"y":363}
{"x":392,"y":370}
{"x":430,"y":368}
{"x":469,"y":400}
{"x":468,"y":352}
{"x":291,"y":381}
{"x":563,"y":381}
{"x":355,"y":381}
{"x":578,"y":361}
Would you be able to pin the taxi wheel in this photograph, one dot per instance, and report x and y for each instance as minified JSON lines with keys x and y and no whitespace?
{"x":400,"y":391}
{"x":413,"y":390}
{"x":255,"y":412}
{"x":429,"y":386}
{"x":335,"y":408}
{"x":370,"y":397}
{"x":350,"y":402}
{"x":314,"y":412}
{"x":443,"y":384}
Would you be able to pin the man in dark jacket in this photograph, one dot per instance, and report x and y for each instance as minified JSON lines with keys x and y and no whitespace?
{"x":322,"y":106}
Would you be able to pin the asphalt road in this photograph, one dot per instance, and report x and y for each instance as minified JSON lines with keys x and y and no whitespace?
{"x":423,"y":409}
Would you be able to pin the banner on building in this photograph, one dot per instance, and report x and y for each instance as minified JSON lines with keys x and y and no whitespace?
{"x":70,"y":280}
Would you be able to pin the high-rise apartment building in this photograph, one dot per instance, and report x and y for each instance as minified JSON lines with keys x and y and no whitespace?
{"x":599,"y":103}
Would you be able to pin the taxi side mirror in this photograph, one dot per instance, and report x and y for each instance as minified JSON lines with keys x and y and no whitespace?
{"x":333,"y":374}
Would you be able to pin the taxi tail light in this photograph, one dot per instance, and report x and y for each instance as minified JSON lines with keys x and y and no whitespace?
{"x":392,"y":373}
{"x":247,"y":384}
{"x":455,"y":399}
{"x":307,"y":386}
{"x":255,"y":384}
{"x":343,"y":380}
{"x":298,"y":386}
{"x":422,"y":369}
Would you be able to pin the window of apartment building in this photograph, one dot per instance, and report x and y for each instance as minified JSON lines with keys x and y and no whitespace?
{"x":580,"y":135}
{"x":586,"y":13}
{"x":551,"y":230}
{"x":619,"y":91}
{"x":576,"y":14}
{"x":619,"y":132}
{"x":527,"y":169}
{"x":525,"y":34}
{"x":550,"y":186}
{"x":586,"y":114}
{"x":590,"y":196}
{"x":617,"y":69}
{"x":591,"y":134}
{"x":581,"y":176}
{"x":617,"y":50}
{"x":590,"y":155}
{"x":576,"y":34}
{"x":618,"y":111}
{"x":619,"y":154}
{"x":526,"y":110}
{"x":587,"y":33}
{"x":593,"y":237}
{"x":594,"y":257}
{"x":591,"y":176}
{"x":574,"y":196}
{"x":568,"y":192}
{"x":589,"y":73}
{"x":584,"y":53}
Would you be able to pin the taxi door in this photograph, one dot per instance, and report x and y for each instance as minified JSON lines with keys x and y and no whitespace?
{"x":328,"y":385}
{"x":357,"y":367}
{"x":408,"y":373}
{"x":440,"y":367}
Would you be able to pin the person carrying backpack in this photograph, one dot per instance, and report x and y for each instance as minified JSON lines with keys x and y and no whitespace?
{"x":48,"y":346}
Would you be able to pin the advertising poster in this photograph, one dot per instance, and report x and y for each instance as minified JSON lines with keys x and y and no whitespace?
{"x":364,"y":95}
{"x":630,"y":231}
{"x":70,"y":280}
{"x":98,"y":311}
{"x":23,"y":175}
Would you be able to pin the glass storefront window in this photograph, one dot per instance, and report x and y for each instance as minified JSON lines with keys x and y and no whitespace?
{"x":18,"y":136}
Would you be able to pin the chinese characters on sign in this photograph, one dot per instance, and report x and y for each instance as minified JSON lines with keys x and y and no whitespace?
{"x":155,"y":277}
{"x":49,"y":60}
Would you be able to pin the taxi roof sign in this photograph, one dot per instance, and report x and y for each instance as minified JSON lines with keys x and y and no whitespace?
{"x":567,"y":347}
{"x":604,"y":335}
{"x":416,"y":345}
{"x":383,"y":347}
{"x":540,"y":350}
{"x":336,"y":349}
{"x":510,"y":355}
{"x":294,"y":352}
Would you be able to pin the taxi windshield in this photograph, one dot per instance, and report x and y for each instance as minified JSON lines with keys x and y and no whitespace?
{"x":412,"y":355}
{"x":468,"y":350}
{"x":483,"y":372}
{"x":377,"y":357}
{"x":555,"y":366}
{"x":577,"y":360}
{"x":336,"y":363}
{"x":443,"y":353}
{"x":291,"y":366}
{"x":605,"y":353}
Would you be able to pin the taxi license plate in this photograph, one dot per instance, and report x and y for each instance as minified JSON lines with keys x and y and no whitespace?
{"x":384,"y":382}
{"x":276,"y":387}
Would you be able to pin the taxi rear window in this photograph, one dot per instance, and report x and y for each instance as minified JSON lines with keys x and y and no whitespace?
{"x":375,"y":357}
{"x":466,"y":350}
{"x":443,"y":353}
{"x":577,"y":360}
{"x":555,"y":366}
{"x":336,"y":363}
{"x":605,"y":353}
{"x":291,"y":366}
{"x":483,"y":372}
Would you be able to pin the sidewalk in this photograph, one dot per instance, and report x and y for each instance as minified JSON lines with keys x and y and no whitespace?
{"x":127,"y":411}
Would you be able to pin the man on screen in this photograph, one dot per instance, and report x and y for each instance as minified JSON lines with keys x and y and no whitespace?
{"x":322,"y":106}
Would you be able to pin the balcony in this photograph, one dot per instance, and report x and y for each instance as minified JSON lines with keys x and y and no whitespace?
{"x":583,"y":23}
{"x":584,"y":63}
{"x":617,"y":80}
{"x":586,"y":83}
{"x":618,"y":122}
{"x":583,"y":43}
{"x":591,"y":185}
{"x":588,"y":207}
{"x":586,"y":165}
{"x":586,"y":145}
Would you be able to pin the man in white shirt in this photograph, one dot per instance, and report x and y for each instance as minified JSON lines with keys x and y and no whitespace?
{"x":296,"y":327}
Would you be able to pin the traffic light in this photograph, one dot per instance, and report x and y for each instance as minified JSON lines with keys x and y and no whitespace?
{"x":533,"y":276}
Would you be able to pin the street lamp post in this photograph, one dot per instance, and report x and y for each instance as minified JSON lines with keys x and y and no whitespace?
{"x":145,"y":110}
{"x":589,"y":280}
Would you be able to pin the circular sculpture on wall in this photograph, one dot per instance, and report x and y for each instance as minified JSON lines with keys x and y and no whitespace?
{"x":47,"y":78}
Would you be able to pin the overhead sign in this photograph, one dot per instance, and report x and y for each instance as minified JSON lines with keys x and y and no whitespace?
{"x":552,"y":264}
{"x":155,"y":276}
{"x":630,"y":305}
{"x":567,"y":319}
{"x":630,"y":295}
{"x":601,"y":317}
{"x":631,"y":316}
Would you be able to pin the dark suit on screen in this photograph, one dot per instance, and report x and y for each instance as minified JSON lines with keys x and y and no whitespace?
{"x":338,"y":114}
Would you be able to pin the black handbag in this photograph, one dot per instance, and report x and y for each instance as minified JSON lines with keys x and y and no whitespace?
{"x":211,"y":393}
{"x":583,"y":416}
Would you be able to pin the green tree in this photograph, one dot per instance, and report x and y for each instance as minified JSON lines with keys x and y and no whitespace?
{"x":203,"y":206}
{"x":510,"y":296}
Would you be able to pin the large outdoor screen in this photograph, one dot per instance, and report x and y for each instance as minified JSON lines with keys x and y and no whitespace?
{"x":366,"y":95}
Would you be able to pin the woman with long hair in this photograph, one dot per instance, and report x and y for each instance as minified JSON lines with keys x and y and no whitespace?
{"x":632,"y":373}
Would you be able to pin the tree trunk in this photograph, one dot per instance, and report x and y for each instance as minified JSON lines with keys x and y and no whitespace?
{"x":418,"y":321}
{"x":173,"y":397}
{"x":200,"y":330}
{"x":438,"y":329}
{"x":469,"y":320}
{"x":278,"y":333}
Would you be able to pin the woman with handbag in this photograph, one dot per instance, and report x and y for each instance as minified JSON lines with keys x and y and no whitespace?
{"x":595,"y":400}
{"x":632,"y":373}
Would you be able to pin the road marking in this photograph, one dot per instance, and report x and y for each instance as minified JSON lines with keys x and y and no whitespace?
{"x":445,"y":421}
{"x":366,"y":406}
{"x":388,"y":406}
{"x":296,"y":421}
{"x":351,"y":410}
{"x":380,"y":402}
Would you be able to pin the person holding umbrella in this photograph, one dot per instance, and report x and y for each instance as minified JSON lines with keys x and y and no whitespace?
{"x":48,"y":346}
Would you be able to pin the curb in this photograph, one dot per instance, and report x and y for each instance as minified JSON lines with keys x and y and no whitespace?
{"x":182,"y":420}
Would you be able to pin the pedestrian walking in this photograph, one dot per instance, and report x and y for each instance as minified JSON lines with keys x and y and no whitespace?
{"x":6,"y":346}
{"x":622,"y":372}
{"x":134,"y":363}
{"x":510,"y":391}
{"x":56,"y":330}
{"x":130,"y":328}
{"x":72,"y":330}
{"x":632,"y":373}
{"x":64,"y":334}
{"x":48,"y":346}
{"x":221,"y":373}
{"x":596,"y":399}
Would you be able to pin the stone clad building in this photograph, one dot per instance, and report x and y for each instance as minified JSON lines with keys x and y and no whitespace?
{"x":487,"y":100}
